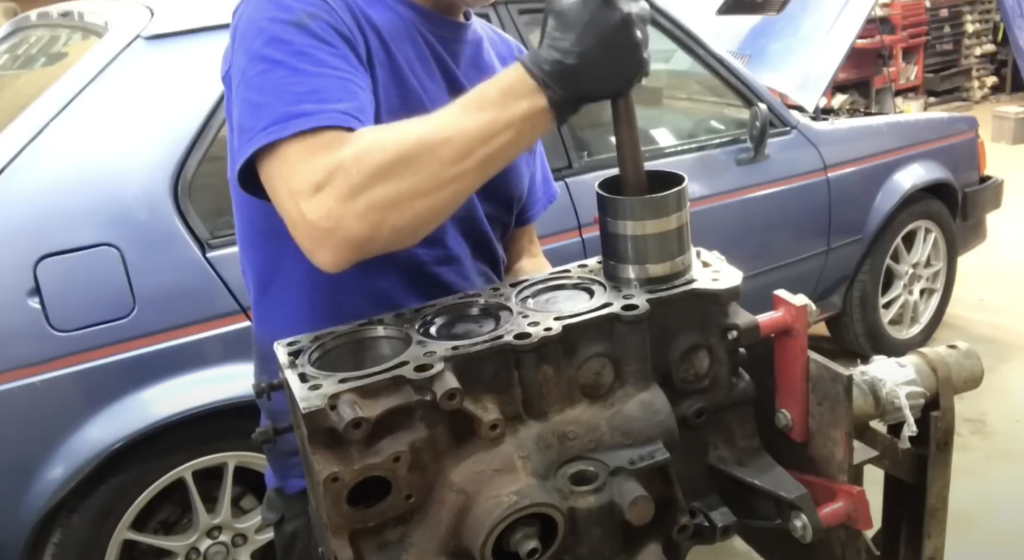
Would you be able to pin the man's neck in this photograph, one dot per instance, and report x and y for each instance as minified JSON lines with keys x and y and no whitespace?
{"x":447,"y":8}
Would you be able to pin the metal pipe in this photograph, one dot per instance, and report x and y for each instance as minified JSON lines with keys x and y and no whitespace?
{"x":875,"y":384}
{"x":627,"y":147}
{"x":645,"y":240}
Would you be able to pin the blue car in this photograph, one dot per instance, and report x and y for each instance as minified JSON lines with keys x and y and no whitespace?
{"x":126,"y":405}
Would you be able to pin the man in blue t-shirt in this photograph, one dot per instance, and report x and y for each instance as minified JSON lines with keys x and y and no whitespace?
{"x":384,"y":153}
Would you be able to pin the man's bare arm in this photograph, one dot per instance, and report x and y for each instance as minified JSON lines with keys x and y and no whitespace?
{"x":524,"y":254}
{"x":349,"y":196}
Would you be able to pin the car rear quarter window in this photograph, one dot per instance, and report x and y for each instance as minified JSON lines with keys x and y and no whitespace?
{"x":208,"y":192}
{"x":34,"y":58}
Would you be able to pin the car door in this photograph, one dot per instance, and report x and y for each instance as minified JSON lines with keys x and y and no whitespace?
{"x":770,"y":218}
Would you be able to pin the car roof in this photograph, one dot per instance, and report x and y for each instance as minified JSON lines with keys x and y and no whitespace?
{"x":182,"y":16}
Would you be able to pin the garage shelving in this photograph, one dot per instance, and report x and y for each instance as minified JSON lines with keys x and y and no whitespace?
{"x":911,"y":50}
{"x":888,"y":57}
{"x":979,"y":49}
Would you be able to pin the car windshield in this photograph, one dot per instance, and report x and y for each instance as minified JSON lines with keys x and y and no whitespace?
{"x":34,"y":58}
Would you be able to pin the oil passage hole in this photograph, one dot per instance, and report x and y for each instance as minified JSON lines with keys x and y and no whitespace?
{"x":548,"y":329}
{"x":430,"y":354}
{"x":494,"y":290}
{"x":396,"y":459}
{"x":293,"y":343}
{"x":630,"y":307}
{"x":410,"y":498}
{"x":494,"y":427}
{"x":423,"y":368}
{"x":315,"y":387}
{"x":583,"y":477}
{"x":522,"y":336}
{"x":368,"y":492}
{"x":335,"y":480}
{"x":357,"y":425}
{"x":581,"y":265}
{"x":532,"y":324}
{"x":628,"y":296}
{"x":451,"y":396}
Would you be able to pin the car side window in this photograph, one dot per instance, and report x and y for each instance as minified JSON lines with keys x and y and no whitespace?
{"x":33,"y":59}
{"x":681,"y":101}
{"x":208,"y":192}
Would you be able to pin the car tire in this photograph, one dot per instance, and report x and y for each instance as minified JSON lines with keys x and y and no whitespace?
{"x":146,"y":492}
{"x":865,"y":325}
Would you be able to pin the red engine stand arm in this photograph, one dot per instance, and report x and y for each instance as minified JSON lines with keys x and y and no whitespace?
{"x":788,"y":325}
{"x":837,"y":503}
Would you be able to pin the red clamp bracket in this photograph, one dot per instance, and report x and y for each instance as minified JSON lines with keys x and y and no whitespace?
{"x":788,"y":325}
{"x":837,"y":503}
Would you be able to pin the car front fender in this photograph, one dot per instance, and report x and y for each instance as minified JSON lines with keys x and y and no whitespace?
{"x":913,"y":176}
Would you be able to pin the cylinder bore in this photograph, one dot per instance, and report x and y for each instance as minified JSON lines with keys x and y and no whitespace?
{"x":561,"y":294}
{"x":645,"y":240}
{"x":359,"y":350}
{"x":464,"y":321}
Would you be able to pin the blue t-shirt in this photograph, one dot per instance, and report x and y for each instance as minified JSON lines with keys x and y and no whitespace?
{"x":297,"y":65}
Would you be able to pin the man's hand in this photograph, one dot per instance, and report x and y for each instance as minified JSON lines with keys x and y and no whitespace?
{"x":591,"y":50}
{"x":524,"y":253}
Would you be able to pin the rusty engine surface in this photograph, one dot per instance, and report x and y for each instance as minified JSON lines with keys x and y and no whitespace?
{"x":559,"y":414}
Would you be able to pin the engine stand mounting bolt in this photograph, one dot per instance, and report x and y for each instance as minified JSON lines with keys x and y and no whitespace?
{"x":800,"y":527}
{"x":783,"y":420}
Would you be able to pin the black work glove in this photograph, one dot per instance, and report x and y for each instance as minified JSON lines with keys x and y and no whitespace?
{"x":590,"y":50}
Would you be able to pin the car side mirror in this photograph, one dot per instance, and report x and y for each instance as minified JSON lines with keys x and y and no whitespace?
{"x":757,"y":135}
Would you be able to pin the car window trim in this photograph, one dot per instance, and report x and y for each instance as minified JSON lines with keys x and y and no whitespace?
{"x":197,"y":152}
{"x":699,"y":52}
{"x":509,"y":24}
{"x":124,"y":22}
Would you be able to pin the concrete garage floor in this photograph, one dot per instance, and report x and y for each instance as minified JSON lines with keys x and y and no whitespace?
{"x":987,"y":311}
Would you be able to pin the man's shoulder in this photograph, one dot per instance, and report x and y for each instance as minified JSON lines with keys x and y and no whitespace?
{"x":499,"y":41}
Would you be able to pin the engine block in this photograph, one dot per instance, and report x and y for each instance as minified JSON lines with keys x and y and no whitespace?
{"x":560,"y":415}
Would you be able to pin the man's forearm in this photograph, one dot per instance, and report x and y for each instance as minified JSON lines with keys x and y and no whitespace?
{"x":387,"y":187}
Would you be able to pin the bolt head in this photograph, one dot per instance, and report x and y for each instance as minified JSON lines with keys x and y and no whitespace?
{"x":800,"y":527}
{"x":214,"y":533}
{"x":238,"y":540}
{"x":732,"y":335}
{"x":783,"y":420}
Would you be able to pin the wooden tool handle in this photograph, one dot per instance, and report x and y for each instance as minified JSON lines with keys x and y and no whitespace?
{"x":627,"y":147}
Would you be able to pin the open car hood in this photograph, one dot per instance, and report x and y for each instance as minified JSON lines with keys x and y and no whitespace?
{"x":796,"y":52}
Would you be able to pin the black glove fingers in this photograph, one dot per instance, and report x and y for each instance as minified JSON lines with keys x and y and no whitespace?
{"x":590,"y":50}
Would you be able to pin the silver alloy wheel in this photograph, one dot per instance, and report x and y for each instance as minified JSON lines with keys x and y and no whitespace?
{"x":913,"y":279}
{"x":223,"y":524}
